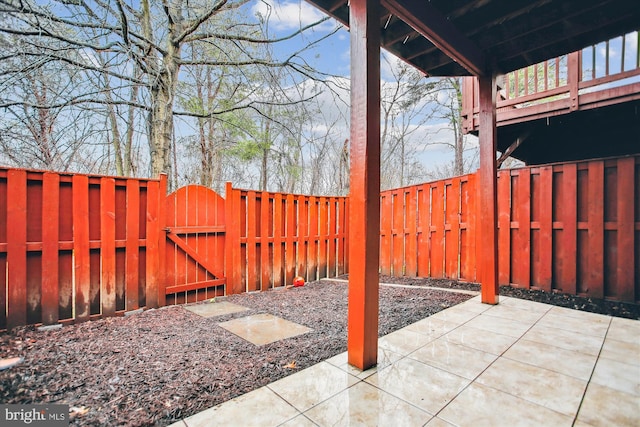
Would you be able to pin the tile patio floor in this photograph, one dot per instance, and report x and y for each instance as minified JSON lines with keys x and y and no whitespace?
{"x":519,"y":363}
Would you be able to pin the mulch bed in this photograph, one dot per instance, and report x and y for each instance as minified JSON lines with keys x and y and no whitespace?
{"x":583,"y":303}
{"x":160,"y":366}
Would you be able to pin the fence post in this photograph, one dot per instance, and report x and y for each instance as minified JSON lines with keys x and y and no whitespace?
{"x":232,"y":240}
{"x":162,"y":241}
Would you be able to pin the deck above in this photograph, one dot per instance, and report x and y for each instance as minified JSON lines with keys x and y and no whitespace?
{"x":582,"y":105}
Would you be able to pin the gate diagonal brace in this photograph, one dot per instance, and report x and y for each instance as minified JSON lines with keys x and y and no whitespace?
{"x":193,"y":254}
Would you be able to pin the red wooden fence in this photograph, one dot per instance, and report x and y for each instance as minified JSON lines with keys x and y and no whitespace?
{"x":570,"y":227}
{"x":273,"y":237}
{"x":75,"y":247}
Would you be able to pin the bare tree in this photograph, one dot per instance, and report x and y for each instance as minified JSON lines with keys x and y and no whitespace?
{"x":153,"y":39}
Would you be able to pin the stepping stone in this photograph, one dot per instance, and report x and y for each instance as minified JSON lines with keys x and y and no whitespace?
{"x":10,"y":362}
{"x":213,"y":309}
{"x":261,"y":329}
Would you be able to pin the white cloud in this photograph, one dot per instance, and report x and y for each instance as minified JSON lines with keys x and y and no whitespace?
{"x":290,"y":15}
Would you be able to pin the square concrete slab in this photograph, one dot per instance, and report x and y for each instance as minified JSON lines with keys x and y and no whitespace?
{"x":261,"y":329}
{"x":214,"y":309}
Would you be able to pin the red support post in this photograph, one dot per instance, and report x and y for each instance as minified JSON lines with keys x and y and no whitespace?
{"x":364,"y":219}
{"x":488,"y":183}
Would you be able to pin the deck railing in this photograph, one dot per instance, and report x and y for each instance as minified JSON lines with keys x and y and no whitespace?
{"x":603,"y":74}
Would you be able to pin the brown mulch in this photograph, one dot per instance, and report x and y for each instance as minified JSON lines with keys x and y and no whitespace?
{"x":160,"y":366}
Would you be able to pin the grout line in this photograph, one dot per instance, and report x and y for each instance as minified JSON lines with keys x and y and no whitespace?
{"x":604,"y":338}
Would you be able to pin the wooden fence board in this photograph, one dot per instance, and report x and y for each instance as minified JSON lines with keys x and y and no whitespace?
{"x":386,"y":218}
{"x":132,"y":244}
{"x":50,"y":239}
{"x":625,"y":244}
{"x":17,"y":248}
{"x":252,"y":262}
{"x":411,"y":242}
{"x":545,"y":248}
{"x":397,"y":233}
{"x":423,"y":229}
{"x":333,"y":230}
{"x":153,"y":290}
{"x":279,"y":209}
{"x":303,"y":236}
{"x":452,"y":229}
{"x":504,"y":227}
{"x":324,"y":229}
{"x":266,"y":221}
{"x":291,"y":230}
{"x":437,"y":230}
{"x":312,"y":267}
{"x":595,"y":217}
{"x":342,"y":221}
{"x":81,"y":255}
{"x":108,"y":250}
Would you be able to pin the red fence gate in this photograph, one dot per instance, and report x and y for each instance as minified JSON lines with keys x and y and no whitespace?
{"x":195,"y":245}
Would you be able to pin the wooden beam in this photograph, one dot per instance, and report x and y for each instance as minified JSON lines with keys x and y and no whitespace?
{"x":430,"y":23}
{"x":488,"y":262}
{"x":364,"y":218}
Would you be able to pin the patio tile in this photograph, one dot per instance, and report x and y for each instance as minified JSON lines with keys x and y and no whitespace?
{"x":618,"y":376}
{"x":604,"y":406}
{"x":626,"y":330}
{"x":483,"y":406}
{"x":558,"y":392}
{"x":313,"y":385}
{"x":622,"y":351}
{"x":365,"y":405}
{"x":590,"y":324}
{"x":579,"y":314}
{"x":212,"y":309}
{"x":299,"y":421}
{"x":431,"y":327}
{"x":499,"y":325}
{"x":422,"y":385}
{"x":259,"y":407}
{"x":479,"y":339}
{"x":457,"y":359}
{"x":455,"y":314}
{"x":474,"y":305}
{"x":573,"y":363}
{"x":514,"y":313}
{"x":385,"y":358}
{"x":261,"y":329}
{"x":403,"y":342}
{"x":569,"y":340}
{"x":526,"y":305}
